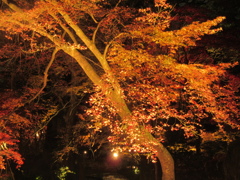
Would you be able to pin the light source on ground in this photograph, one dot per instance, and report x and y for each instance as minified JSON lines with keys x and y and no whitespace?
{"x":115,"y":154}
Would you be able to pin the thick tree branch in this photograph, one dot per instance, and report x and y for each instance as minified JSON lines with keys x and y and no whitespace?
{"x":115,"y":91}
{"x":115,"y":85}
{"x":45,"y":74}
{"x":12,"y":6}
{"x":92,"y":47}
{"x":71,"y":35}
{"x":88,"y":69}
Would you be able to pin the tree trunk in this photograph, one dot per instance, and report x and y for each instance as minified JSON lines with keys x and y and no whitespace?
{"x":115,"y":94}
{"x":166,"y":161}
{"x":165,"y":158}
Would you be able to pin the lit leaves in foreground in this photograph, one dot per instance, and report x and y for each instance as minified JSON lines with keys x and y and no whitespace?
{"x":161,"y":93}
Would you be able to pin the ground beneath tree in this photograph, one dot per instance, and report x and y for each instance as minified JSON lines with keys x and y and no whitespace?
{"x":107,"y":176}
{"x":114,"y":177}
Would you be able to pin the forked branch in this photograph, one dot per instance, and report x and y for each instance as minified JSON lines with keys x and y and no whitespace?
{"x":45,"y":74}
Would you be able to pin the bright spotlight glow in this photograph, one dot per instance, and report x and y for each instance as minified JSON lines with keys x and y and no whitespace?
{"x":115,"y":154}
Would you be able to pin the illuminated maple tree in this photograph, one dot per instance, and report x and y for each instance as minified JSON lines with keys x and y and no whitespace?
{"x":129,"y":56}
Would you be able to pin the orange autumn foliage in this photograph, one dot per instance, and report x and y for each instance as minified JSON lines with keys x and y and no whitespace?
{"x":157,"y":88}
{"x":9,"y":151}
{"x":139,"y":84}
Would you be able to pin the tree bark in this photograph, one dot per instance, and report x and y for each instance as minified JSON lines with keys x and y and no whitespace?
{"x":165,"y":158}
{"x":166,"y":161}
{"x":163,"y":155}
